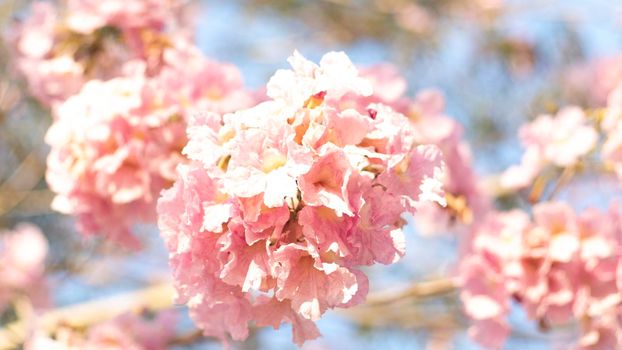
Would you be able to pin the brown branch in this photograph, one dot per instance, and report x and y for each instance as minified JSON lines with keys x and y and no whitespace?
{"x":25,"y":177}
{"x":562,"y":180}
{"x":187,"y":338}
{"x":155,"y":298}
{"x":27,"y":203}
{"x":160,"y":297}
{"x":420,"y":290}
{"x":406,"y":308}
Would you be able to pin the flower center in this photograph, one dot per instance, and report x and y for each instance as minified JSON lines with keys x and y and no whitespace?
{"x":272,"y":160}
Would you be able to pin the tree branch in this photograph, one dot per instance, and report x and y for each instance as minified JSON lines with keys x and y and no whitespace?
{"x":160,"y":297}
{"x":155,"y":298}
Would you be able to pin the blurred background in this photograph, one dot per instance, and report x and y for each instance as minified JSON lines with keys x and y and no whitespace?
{"x":498,"y":63}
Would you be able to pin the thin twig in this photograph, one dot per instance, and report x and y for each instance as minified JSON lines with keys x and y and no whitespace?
{"x":418,"y":290}
{"x":563,"y":179}
{"x":188,"y":338}
{"x":25,"y":177}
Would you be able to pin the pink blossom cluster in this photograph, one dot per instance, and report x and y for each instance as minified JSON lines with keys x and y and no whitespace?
{"x":58,"y":51}
{"x":558,"y":141}
{"x":560,"y":267}
{"x":22,"y":265}
{"x":125,"y":332}
{"x":283,"y":202}
{"x":466,"y":200}
{"x":115,"y":144}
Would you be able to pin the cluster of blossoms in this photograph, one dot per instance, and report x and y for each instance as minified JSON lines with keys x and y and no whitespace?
{"x":121,"y":78}
{"x":125,"y":332}
{"x":22,"y":266}
{"x":274,"y":209}
{"x":466,"y":200}
{"x":565,"y":138}
{"x":58,"y":51}
{"x":559,"y":267}
{"x":115,"y":144}
{"x":283,"y":202}
{"x":558,"y":141}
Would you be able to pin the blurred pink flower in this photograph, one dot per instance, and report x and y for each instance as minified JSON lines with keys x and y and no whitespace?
{"x":487,"y":272}
{"x":115,"y":145}
{"x":559,"y":141}
{"x":59,"y":50}
{"x":22,"y":265}
{"x":86,"y":16}
{"x":560,"y":267}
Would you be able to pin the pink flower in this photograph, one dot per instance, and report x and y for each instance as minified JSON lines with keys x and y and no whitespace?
{"x":560,"y":267}
{"x":283,"y":202}
{"x":416,"y":176}
{"x":116,"y":144}
{"x":268,"y":162}
{"x":375,"y":238}
{"x":487,"y":275}
{"x":311,"y":288}
{"x":22,"y":265}
{"x":38,"y":40}
{"x":53,"y":80}
{"x":98,"y":159}
{"x":466,"y":201}
{"x":559,"y":141}
{"x":549,"y":263}
{"x":335,"y":76}
{"x":86,"y":16}
{"x":59,"y":51}
{"x":271,"y":312}
{"x":328,"y":182}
